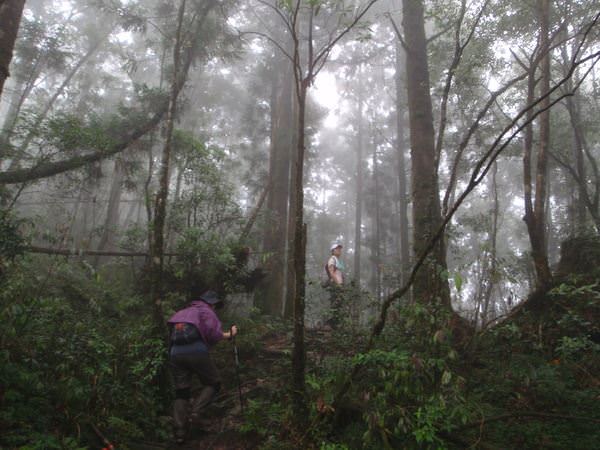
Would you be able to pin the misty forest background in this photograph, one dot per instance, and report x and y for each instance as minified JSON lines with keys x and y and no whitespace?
{"x":150,"y":149}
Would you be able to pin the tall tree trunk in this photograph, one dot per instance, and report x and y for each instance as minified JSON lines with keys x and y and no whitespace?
{"x":290,"y":280}
{"x":299,"y":253}
{"x":11,"y":12}
{"x":535,"y":209}
{"x":160,"y":204}
{"x":359,"y":182}
{"x":405,"y":262}
{"x":17,"y":97}
{"x":579,"y":208}
{"x":25,"y":80}
{"x":376,"y":247}
{"x":111,"y":224}
{"x":271,"y":296}
{"x":83,"y":228}
{"x":429,"y":284}
{"x":170,"y":236}
{"x":493,"y":244}
{"x":578,"y":156}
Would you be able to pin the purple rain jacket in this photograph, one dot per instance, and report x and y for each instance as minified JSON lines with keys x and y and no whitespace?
{"x":202,"y":316}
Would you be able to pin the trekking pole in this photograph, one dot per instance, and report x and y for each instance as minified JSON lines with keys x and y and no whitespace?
{"x":237,"y":370}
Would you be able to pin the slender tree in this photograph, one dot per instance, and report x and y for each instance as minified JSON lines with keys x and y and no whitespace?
{"x":308,"y":59}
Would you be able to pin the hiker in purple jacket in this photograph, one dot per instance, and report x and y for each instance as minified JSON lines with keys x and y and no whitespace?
{"x":193,"y":331}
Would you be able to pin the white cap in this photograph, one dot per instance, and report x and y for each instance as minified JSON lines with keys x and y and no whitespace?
{"x":335,"y":245}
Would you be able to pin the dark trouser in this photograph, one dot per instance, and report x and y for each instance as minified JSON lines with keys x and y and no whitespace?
{"x":183,"y":367}
{"x":337,"y":299}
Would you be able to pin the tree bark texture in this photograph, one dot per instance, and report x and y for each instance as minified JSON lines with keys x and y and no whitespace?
{"x":11,"y":12}
{"x":429,"y":282}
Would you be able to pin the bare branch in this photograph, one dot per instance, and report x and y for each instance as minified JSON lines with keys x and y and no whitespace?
{"x":255,"y":211}
{"x":458,"y":52}
{"x":430,"y":39}
{"x":271,"y":40}
{"x":474,"y":126}
{"x":521,"y":63}
{"x":399,"y":35}
{"x":285,"y":19}
{"x":81,"y":252}
{"x":325,"y":52}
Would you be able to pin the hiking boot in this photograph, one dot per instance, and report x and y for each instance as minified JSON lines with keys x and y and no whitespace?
{"x":180,"y":419}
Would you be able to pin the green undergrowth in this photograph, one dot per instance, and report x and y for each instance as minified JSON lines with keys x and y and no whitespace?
{"x":78,"y":351}
{"x":530,"y":382}
{"x":540,"y":370}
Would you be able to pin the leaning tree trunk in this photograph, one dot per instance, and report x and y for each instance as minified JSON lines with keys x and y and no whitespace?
{"x":11,"y":12}
{"x":429,"y":284}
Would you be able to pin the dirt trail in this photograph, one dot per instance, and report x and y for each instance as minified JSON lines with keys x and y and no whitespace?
{"x":262,"y":373}
{"x":222,"y":432}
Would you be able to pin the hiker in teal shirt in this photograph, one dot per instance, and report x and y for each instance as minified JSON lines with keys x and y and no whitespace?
{"x":335,"y":273}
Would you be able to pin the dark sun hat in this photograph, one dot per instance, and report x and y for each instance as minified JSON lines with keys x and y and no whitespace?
{"x":211,"y":298}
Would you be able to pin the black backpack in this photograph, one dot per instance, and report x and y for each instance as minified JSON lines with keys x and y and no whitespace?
{"x":183,"y":333}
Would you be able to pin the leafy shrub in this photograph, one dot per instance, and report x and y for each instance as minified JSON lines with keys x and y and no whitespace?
{"x":77,"y":352}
